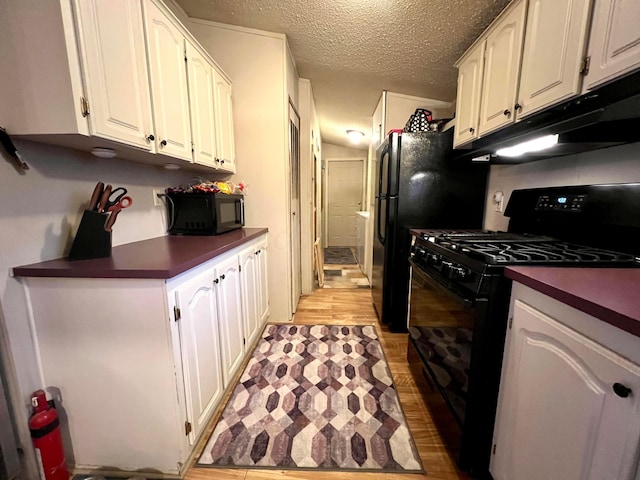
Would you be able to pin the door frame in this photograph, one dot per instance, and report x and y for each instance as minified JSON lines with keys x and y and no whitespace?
{"x":325,"y":191}
{"x":293,"y":145}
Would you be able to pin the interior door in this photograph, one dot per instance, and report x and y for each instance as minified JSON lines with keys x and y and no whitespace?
{"x":294,"y":168}
{"x":345,"y":182}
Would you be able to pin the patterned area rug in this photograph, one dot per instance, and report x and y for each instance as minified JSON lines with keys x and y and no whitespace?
{"x":339,"y":256}
{"x":314,"y":396}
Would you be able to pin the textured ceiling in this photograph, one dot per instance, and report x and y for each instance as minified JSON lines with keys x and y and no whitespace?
{"x":351,"y":50}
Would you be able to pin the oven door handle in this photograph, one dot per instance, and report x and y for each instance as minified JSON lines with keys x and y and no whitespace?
{"x":465,"y":302}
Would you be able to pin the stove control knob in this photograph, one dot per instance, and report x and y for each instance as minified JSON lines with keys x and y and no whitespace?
{"x":433,"y":259}
{"x":457,"y":272}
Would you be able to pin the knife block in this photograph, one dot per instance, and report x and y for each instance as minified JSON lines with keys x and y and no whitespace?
{"x":92,"y":240}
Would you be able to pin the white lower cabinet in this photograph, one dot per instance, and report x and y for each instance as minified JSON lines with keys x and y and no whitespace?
{"x":568,"y":406}
{"x":263,"y":280}
{"x":199,"y":331}
{"x":249,"y":265}
{"x":141,"y":364}
{"x":228,"y":294}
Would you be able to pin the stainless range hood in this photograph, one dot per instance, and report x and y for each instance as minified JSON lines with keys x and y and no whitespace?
{"x":605,"y":117}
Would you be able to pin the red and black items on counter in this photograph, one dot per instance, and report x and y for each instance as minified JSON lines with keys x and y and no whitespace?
{"x":93,"y":239}
{"x":199,"y":185}
{"x":47,"y":440}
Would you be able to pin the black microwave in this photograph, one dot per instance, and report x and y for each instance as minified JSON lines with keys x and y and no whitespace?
{"x":203,"y":213}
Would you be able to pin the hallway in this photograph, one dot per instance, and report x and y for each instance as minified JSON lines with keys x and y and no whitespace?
{"x":353,"y":307}
{"x":340,"y":274}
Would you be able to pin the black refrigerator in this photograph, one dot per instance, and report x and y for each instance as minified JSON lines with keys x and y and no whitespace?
{"x":419,"y":184}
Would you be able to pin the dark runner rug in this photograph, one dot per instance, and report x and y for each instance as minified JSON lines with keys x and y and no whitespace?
{"x":339,"y":256}
{"x":314,"y":397}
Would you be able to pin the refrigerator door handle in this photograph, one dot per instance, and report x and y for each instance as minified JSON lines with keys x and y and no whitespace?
{"x":384,"y":150}
{"x":378,"y":217}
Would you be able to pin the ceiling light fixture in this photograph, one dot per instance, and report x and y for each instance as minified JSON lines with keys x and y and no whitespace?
{"x":355,"y":136}
{"x":535,"y":145}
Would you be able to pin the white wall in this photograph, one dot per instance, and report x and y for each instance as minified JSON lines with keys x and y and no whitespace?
{"x":611,"y":165}
{"x":39,"y":213}
{"x":332,"y":151}
{"x":256,"y":61}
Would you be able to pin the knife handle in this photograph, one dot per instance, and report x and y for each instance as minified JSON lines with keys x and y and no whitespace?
{"x":111,"y":220}
{"x":104,"y":198}
{"x":95,"y":196}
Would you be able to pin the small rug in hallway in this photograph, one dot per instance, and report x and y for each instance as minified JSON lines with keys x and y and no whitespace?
{"x":315,"y":397}
{"x":339,"y":256}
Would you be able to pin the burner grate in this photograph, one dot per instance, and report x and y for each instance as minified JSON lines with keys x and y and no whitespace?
{"x":544,"y":252}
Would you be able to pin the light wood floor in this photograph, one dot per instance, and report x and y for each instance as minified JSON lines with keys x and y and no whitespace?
{"x":352,"y":307}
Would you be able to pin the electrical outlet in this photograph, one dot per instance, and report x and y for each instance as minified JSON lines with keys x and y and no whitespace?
{"x":157,"y":201}
{"x":498,"y":199}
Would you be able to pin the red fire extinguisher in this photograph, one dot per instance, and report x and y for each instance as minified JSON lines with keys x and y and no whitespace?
{"x":47,"y":440}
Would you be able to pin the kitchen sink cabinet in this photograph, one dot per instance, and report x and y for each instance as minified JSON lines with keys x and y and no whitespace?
{"x":614,"y":44}
{"x":567,"y":406}
{"x":158,"y":350}
{"x":502,"y":69}
{"x":470,"y":72}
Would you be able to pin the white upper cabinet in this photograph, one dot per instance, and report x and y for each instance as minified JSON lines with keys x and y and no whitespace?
{"x":226,"y":153}
{"x":201,"y":101}
{"x":554,"y":50}
{"x":113,"y":74}
{"x":614,"y":46}
{"x":116,"y":79}
{"x":502,"y":69}
{"x":167,"y":62}
{"x":470,"y":70}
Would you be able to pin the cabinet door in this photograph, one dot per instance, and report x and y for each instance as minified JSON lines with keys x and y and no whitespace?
{"x":201,"y":102}
{"x":224,"y":124}
{"x":559,"y":416}
{"x":502,"y":70}
{"x":468,"y":97}
{"x":614,"y":45}
{"x":199,"y":343}
{"x":228,"y":294}
{"x":168,"y":84}
{"x":263,"y":281}
{"x":115,"y":71}
{"x":554,"y":48}
{"x":250,"y":298}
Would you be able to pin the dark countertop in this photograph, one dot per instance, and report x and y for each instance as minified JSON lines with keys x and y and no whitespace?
{"x":161,"y":257}
{"x":610,"y":294}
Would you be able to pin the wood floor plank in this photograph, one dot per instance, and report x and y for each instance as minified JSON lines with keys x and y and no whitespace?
{"x":353,"y":306}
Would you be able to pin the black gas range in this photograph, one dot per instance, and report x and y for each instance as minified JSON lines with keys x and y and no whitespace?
{"x":459,"y":298}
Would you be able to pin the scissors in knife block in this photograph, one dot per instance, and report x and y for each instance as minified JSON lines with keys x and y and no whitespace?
{"x":109,"y":203}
